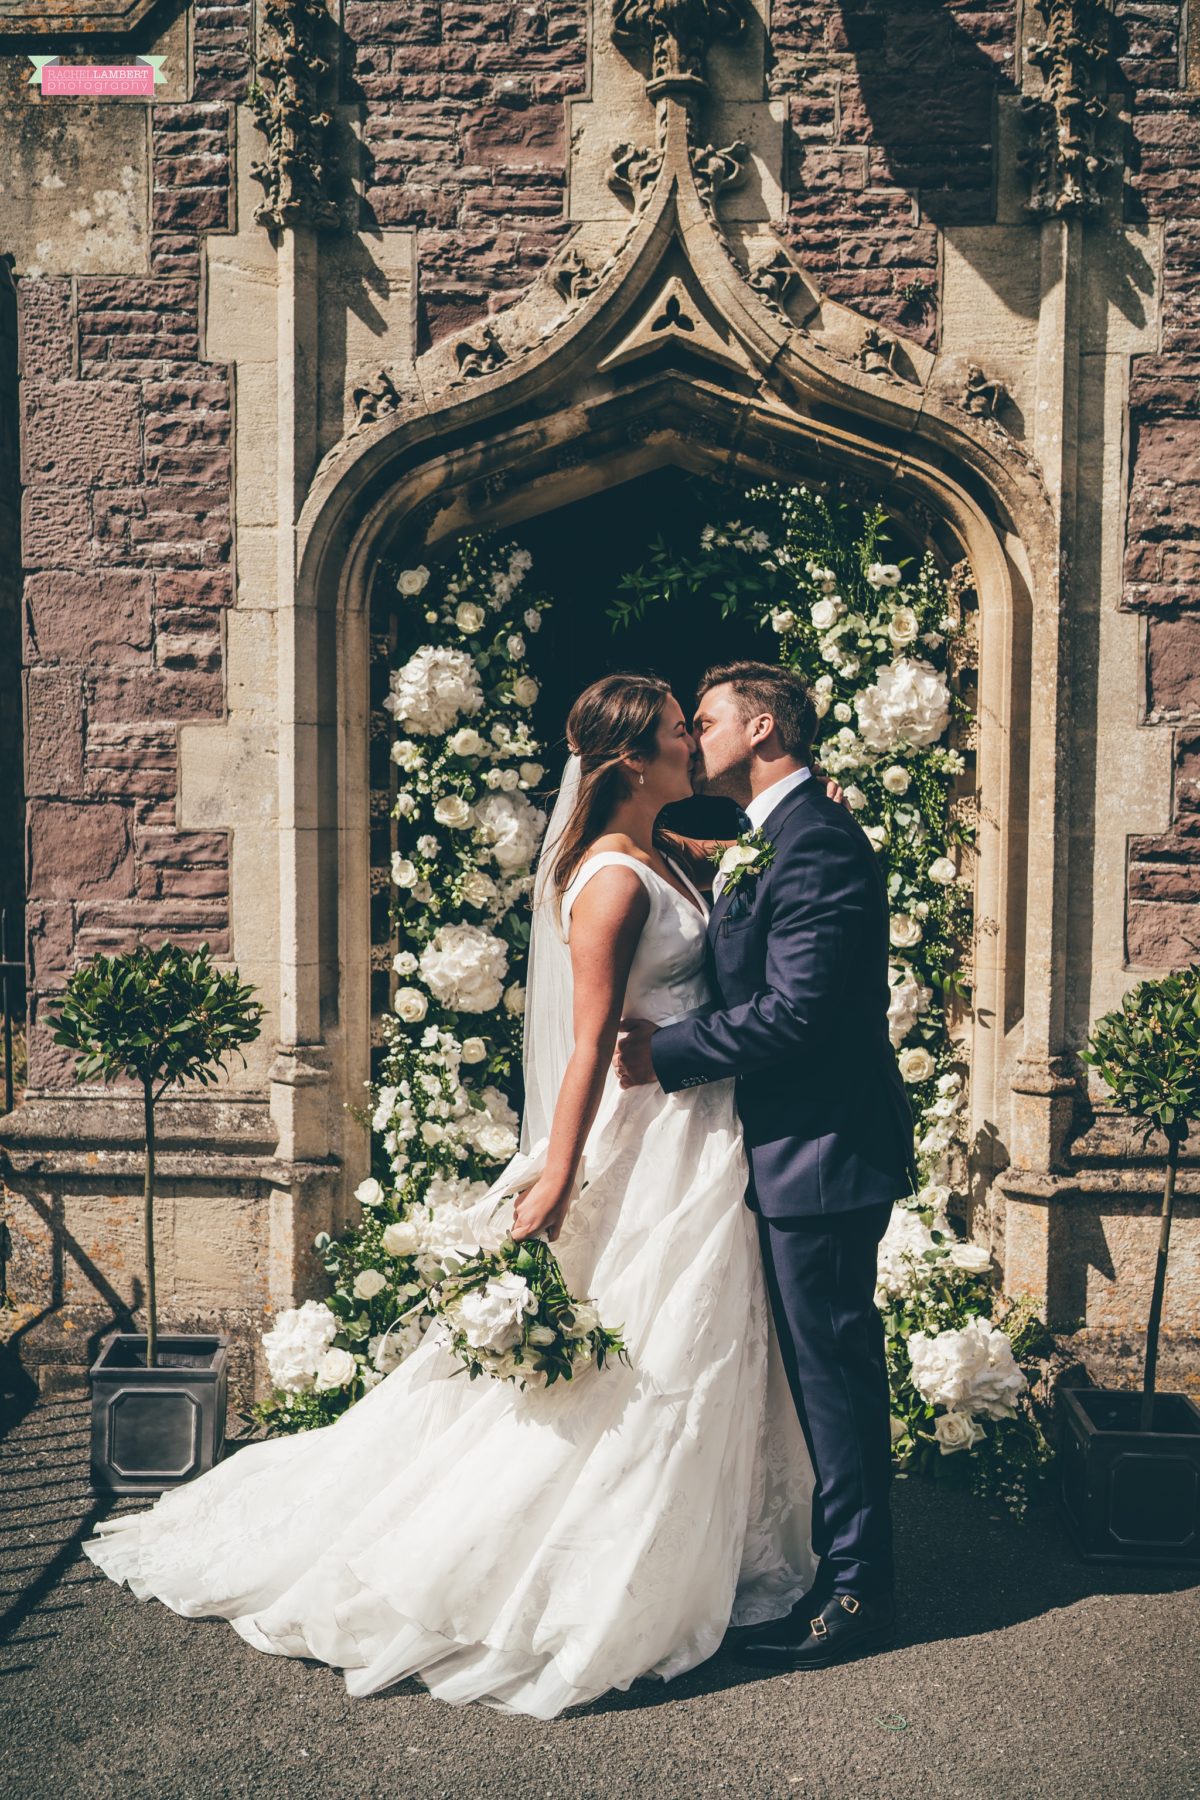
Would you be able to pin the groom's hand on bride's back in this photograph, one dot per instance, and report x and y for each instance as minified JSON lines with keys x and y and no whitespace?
{"x":631,"y":1058}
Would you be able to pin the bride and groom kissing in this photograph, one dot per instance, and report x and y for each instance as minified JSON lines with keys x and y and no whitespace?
{"x":717,"y":1130}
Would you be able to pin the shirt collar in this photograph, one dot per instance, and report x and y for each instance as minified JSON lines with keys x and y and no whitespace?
{"x":764,"y":804}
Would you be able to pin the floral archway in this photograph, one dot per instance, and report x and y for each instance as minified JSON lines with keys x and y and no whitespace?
{"x":888,"y":649}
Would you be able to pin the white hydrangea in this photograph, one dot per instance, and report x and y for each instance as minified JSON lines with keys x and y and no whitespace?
{"x":297,"y":1343}
{"x":434,"y":689}
{"x":908,"y":998}
{"x":900,"y":1267}
{"x":972,"y":1369}
{"x":511,"y":827}
{"x":908,"y":703}
{"x":491,"y":1318}
{"x":464,"y":967}
{"x":392,"y":1347}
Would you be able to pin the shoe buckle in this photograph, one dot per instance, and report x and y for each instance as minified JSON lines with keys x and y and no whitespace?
{"x":818,"y":1627}
{"x":848,"y":1603}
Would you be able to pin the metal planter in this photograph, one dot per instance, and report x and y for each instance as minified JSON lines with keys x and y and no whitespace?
{"x":1131,"y":1496}
{"x":153,"y":1429}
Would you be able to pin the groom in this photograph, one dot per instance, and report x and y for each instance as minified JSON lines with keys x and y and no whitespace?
{"x":798,"y":945}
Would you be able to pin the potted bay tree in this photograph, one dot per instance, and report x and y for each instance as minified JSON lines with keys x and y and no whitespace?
{"x":1130,"y":1462}
{"x":158,"y":1017}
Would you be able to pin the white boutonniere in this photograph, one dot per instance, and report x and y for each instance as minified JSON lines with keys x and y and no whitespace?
{"x":750,"y":855}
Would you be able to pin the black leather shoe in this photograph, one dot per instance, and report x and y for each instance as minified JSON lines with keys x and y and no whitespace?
{"x":792,"y":1628}
{"x":844,"y":1628}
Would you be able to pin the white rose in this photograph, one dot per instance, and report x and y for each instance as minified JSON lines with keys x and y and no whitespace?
{"x":474,"y":1050}
{"x":907,"y":999}
{"x":782,"y":619}
{"x":820,"y":701}
{"x":904,"y":931}
{"x":369,"y":1192}
{"x":464,"y":967}
{"x":469,"y":617}
{"x":510,"y":780}
{"x":902,"y":626}
{"x":877,"y":836}
{"x":533,"y":620}
{"x":532,"y":773}
{"x":738,"y":856}
{"x":514,"y":999}
{"x":404,"y":962}
{"x":452,"y":810}
{"x":516,"y":646}
{"x":411,"y":582}
{"x":335,"y":1369}
{"x":585,"y":1318}
{"x":825,"y":613}
{"x":404,"y":873}
{"x":497,"y":1142}
{"x":916,"y":1064}
{"x":368,"y":1283}
{"x":882,"y":575}
{"x":427,"y":845}
{"x":855,"y":799}
{"x":540,"y":1335}
{"x":972,"y":1259}
{"x":843,"y":713}
{"x":525,"y":690}
{"x":406,"y":805}
{"x":466,"y":741}
{"x":957,"y":1431}
{"x":896,"y":779}
{"x":900,"y":1265}
{"x":477,"y":888}
{"x":908,"y":702}
{"x":402,"y":1238}
{"x":942,"y":870}
{"x":405,"y":755}
{"x":410,"y":1005}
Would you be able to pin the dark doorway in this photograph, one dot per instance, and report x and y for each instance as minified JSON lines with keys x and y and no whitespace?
{"x":580,"y":552}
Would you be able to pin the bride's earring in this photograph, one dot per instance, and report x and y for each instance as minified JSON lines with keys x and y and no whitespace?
{"x":641,"y":781}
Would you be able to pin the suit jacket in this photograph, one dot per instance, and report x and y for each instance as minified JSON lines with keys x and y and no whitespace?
{"x":799,"y":956}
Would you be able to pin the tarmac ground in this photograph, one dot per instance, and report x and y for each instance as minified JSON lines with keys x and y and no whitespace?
{"x":1018,"y":1672}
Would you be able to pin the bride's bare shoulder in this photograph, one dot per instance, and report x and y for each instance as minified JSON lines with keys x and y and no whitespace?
{"x":613,"y":840}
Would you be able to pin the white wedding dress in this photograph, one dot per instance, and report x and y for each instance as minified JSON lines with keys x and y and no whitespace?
{"x":533,"y":1549}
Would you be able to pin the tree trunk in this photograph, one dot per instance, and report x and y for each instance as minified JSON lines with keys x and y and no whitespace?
{"x":148,"y":1199}
{"x":1160,"y":1282}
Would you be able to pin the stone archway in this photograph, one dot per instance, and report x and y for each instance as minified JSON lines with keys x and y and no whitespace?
{"x":682,"y":344}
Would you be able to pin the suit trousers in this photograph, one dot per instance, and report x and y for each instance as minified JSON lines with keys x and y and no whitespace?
{"x":821,"y":1279}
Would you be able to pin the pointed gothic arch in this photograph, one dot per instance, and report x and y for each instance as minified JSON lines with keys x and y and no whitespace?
{"x":685,"y":346}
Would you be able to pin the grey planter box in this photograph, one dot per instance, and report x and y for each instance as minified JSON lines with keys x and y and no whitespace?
{"x":1131,"y":1496}
{"x":153,"y":1429}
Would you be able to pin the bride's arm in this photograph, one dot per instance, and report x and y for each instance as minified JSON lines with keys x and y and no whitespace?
{"x":606,"y":922}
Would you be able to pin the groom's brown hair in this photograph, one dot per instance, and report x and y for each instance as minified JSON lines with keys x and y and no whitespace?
{"x":760,"y":687}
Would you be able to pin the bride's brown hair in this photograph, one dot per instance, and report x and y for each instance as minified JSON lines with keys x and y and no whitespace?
{"x":616,"y":717}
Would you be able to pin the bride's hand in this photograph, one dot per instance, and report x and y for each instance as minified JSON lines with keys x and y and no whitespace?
{"x":835,"y":792}
{"x":541,"y":1208}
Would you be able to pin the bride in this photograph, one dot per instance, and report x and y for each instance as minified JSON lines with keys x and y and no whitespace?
{"x":533,"y":1549}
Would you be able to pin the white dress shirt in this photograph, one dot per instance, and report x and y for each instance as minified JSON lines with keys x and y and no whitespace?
{"x":761,"y":808}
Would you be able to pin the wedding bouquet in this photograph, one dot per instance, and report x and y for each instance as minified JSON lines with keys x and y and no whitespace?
{"x":511,"y":1315}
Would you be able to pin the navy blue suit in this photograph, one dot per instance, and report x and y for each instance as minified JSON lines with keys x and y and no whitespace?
{"x":799,"y":956}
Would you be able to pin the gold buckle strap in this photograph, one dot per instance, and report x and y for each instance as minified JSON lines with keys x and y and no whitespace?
{"x":818,"y":1627}
{"x":848,"y":1603}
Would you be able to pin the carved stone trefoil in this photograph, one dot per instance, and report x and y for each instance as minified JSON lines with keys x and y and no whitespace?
{"x":283,"y":99}
{"x":678,"y":34}
{"x":1063,"y":161}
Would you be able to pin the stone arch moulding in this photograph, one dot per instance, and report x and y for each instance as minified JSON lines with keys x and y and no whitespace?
{"x":691,"y":345}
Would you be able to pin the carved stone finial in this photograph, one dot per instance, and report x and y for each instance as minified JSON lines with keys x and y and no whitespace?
{"x":483,"y":357}
{"x":678,"y":35}
{"x":1063,"y":162}
{"x":283,"y":100}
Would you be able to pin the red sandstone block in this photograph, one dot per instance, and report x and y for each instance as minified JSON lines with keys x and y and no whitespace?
{"x":76,"y":434}
{"x":173,"y":526}
{"x":1180,"y":563}
{"x":195,"y":587}
{"x":54,"y":732}
{"x":175,"y":255}
{"x":112,"y":929}
{"x":1173,"y":667}
{"x":139,"y":694}
{"x":1159,"y":935}
{"x":206,"y":391}
{"x":132,"y":761}
{"x":49,"y":931}
{"x":1166,"y":450}
{"x":55,"y":528}
{"x":78,"y":849}
{"x":45,"y":326}
{"x":102,"y":616}
{"x":393,"y":21}
{"x":535,"y":135}
{"x":180,"y":849}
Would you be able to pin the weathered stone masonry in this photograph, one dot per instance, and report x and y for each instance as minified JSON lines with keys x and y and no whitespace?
{"x":170,"y":349}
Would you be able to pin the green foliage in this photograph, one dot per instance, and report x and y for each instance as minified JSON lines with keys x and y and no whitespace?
{"x":1148,"y":1052}
{"x":157,"y":1016}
